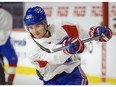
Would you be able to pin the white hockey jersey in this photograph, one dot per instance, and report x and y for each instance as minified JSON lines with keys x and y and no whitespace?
{"x":5,"y":25}
{"x":51,"y":64}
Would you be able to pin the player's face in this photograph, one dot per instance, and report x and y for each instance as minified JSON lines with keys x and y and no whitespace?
{"x":37,"y":30}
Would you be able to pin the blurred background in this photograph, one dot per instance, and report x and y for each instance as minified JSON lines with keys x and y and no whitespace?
{"x":98,"y":60}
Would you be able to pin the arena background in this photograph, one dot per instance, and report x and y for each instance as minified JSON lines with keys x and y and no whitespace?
{"x":98,"y":60}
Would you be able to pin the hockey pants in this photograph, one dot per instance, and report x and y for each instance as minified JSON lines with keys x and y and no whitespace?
{"x":76,"y":77}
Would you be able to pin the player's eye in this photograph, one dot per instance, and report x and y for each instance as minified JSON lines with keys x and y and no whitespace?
{"x":30,"y":28}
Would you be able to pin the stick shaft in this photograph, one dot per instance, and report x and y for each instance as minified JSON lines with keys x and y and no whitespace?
{"x":91,"y":39}
{"x":85,"y":41}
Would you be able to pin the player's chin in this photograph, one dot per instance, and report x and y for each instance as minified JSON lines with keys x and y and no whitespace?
{"x":37,"y":37}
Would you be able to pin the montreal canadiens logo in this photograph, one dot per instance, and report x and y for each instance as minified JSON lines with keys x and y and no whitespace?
{"x":29,"y":17}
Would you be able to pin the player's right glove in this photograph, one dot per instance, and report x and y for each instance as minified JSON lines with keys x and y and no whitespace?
{"x":75,"y":48}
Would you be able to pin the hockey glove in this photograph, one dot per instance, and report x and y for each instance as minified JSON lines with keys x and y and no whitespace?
{"x":101,"y":30}
{"x":76,"y":47}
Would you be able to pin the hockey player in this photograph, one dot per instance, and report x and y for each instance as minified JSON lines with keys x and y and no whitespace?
{"x":62,"y":67}
{"x":6,"y":48}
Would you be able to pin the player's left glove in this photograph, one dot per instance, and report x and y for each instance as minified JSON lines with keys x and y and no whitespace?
{"x":76,"y":47}
{"x":101,"y":30}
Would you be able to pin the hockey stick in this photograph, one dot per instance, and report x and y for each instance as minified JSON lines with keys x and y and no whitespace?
{"x":64,"y":47}
{"x":1,"y":63}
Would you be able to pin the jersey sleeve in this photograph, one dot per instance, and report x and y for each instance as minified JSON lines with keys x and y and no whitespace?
{"x":5,"y":25}
{"x":83,"y":33}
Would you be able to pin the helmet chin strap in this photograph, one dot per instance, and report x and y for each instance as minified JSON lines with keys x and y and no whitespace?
{"x":45,"y":32}
{"x":43,"y":22}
